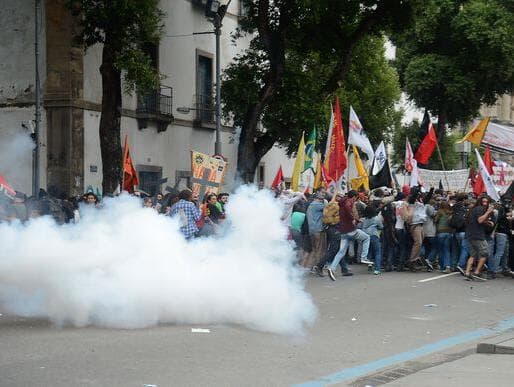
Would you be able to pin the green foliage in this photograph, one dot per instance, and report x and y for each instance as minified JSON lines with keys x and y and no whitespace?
{"x":371,"y":85}
{"x":411,"y":131}
{"x":127,"y":27}
{"x":458,"y":55}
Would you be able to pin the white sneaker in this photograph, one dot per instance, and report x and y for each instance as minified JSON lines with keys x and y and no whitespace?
{"x":366,"y":261}
{"x":331,"y":274}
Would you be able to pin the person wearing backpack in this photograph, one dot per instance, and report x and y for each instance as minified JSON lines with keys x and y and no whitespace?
{"x":330,"y":221}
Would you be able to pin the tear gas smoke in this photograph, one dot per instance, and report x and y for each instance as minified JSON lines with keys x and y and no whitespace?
{"x":15,"y":156}
{"x":126,"y":267}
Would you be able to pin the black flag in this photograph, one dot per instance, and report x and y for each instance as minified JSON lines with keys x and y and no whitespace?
{"x":382,"y":178}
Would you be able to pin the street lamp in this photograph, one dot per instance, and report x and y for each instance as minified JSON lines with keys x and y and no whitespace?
{"x":215,"y":11}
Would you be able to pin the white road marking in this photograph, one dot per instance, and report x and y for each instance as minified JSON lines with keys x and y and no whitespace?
{"x":438,"y":277}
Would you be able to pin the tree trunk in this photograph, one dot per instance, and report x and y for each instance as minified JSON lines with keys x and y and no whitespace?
{"x":110,"y":122}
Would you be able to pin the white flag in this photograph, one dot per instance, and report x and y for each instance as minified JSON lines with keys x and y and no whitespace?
{"x":380,"y":159}
{"x":487,"y":179}
{"x":357,"y":136}
{"x":415,"y":178}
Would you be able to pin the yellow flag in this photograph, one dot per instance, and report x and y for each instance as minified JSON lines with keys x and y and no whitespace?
{"x":476,"y":134}
{"x":318,"y":179}
{"x":298,"y":165}
{"x":362,"y":180}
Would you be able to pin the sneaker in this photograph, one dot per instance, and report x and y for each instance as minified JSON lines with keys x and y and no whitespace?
{"x":376,"y":272}
{"x":448,"y":270}
{"x":468,"y":277}
{"x":366,"y":261}
{"x":461,"y":270}
{"x":331,"y":274}
{"x":429,"y":264}
{"x":319,"y":272}
{"x":347,"y":274}
{"x":507,"y":273}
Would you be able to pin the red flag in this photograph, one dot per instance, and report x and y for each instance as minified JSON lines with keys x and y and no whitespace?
{"x":336,"y":163}
{"x":479,"y":186}
{"x":279,"y":178}
{"x":427,"y":146}
{"x":129,"y":172}
{"x":6,"y":189}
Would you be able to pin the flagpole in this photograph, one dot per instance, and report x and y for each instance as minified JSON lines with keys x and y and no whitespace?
{"x":348,"y":168}
{"x":442,"y":165}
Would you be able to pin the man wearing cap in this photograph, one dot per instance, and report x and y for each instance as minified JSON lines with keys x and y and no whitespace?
{"x":348,"y":219}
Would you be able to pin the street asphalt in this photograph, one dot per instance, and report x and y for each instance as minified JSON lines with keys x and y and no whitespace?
{"x":366,"y":326}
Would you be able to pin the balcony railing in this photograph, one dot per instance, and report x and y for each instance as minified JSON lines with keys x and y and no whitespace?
{"x":155,"y":106}
{"x":205,"y":108}
{"x":156,"y":102}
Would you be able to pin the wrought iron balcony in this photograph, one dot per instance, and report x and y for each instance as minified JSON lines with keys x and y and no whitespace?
{"x":205,"y":108}
{"x":156,"y":106}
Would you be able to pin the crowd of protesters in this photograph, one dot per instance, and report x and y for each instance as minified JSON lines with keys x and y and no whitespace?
{"x":196,"y":218}
{"x":411,"y":230}
{"x":387,"y":230}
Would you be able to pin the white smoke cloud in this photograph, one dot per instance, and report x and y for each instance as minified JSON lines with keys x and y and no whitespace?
{"x":15,"y":156}
{"x":127,"y":267}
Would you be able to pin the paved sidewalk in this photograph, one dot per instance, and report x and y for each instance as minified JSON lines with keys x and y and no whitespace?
{"x":474,"y":370}
{"x":462,"y":368}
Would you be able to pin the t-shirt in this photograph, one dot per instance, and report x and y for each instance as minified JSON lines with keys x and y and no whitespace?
{"x":399,"y":225}
{"x":475,"y":230}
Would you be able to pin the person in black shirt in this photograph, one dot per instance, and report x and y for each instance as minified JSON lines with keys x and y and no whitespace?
{"x":477,"y":222}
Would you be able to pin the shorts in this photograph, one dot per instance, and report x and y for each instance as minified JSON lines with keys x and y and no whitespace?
{"x":478,"y":248}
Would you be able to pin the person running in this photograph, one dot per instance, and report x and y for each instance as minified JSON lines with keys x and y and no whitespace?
{"x":348,"y":219}
{"x":477,"y":222}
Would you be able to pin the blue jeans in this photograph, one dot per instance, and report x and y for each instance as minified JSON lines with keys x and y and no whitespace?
{"x":443,"y":243}
{"x":500,"y":242}
{"x":431,"y":248}
{"x":375,"y":251}
{"x":462,"y":242}
{"x":356,"y":235}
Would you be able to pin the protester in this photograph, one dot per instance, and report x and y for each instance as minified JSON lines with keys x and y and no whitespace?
{"x":478,"y":220}
{"x":444,"y":236}
{"x":372,"y":226}
{"x":348,"y":219}
{"x":314,"y":217}
{"x":188,"y":214}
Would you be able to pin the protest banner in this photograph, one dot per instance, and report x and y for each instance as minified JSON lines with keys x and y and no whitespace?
{"x":207,"y":172}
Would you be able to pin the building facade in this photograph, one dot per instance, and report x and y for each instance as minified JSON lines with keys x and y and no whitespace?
{"x":162,"y":126}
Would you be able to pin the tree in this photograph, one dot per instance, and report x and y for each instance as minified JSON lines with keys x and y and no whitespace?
{"x":458,"y":55}
{"x":290,"y":38}
{"x":125,"y":28}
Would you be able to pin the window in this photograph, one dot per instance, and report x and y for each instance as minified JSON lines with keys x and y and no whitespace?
{"x":150,"y":178}
{"x":204,"y":97}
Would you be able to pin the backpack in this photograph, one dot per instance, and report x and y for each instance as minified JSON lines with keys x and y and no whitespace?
{"x":457,"y":220}
{"x":331,"y":214}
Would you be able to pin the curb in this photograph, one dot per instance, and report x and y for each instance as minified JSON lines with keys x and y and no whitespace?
{"x":495,"y":349}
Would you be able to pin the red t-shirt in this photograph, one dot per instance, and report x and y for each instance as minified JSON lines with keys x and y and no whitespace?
{"x":346,"y":216}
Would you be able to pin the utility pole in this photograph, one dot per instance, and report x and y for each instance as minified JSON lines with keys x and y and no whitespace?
{"x":215,"y":12}
{"x":35,"y":154}
{"x":217,"y":32}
